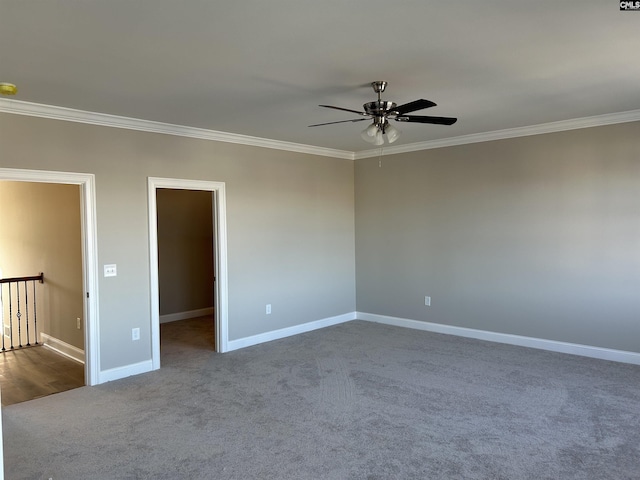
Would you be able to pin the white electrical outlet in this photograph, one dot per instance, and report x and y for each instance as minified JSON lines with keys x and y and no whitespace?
{"x":78,"y":324}
{"x":110,"y":271}
{"x":427,"y":301}
{"x":135,"y":334}
{"x":268,"y":309}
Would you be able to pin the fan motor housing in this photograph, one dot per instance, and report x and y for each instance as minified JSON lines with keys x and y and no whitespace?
{"x":379,"y":107}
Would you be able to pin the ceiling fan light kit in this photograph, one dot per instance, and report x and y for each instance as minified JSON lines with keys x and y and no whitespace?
{"x":380,"y":111}
{"x":377,"y":133}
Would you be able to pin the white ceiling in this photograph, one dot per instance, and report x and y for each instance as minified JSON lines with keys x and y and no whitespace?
{"x":260,"y":68}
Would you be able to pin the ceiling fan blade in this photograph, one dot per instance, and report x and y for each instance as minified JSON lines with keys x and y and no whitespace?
{"x":344,"y":109}
{"x":413,"y":106}
{"x":341,"y":121}
{"x":425,"y":119}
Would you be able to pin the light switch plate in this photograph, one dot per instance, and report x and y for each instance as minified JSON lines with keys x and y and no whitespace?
{"x":110,"y":270}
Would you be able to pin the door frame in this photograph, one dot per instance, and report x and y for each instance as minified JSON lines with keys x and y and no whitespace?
{"x":220,"y":294}
{"x":86,"y":182}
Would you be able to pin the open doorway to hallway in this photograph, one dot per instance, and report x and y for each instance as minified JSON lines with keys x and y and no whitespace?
{"x":85,"y":183}
{"x":186,"y":266}
{"x":42,"y":320}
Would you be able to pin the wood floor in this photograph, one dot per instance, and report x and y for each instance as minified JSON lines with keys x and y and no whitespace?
{"x":29,"y":373}
{"x":34,"y":372}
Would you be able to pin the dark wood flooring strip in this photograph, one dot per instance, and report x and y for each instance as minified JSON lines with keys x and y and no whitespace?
{"x":35,"y":372}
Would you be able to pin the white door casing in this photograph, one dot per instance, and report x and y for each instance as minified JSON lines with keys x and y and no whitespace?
{"x":220,"y":258}
{"x":86,"y":181}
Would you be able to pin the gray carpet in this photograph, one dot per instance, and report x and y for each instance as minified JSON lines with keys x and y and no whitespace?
{"x":354,"y":401}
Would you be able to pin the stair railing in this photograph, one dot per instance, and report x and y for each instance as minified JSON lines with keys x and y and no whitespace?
{"x":19,"y":301}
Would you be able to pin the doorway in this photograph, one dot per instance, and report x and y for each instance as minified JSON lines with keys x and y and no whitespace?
{"x":88,"y":288}
{"x":216,"y":190}
{"x":186,"y":262}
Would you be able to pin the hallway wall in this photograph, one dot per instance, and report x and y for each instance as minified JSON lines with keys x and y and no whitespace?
{"x":40,"y":231}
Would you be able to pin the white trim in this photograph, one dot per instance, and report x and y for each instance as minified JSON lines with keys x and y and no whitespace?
{"x":221,"y":292}
{"x":93,"y":118}
{"x":86,"y":181}
{"x":552,"y":127}
{"x":290,"y":331}
{"x":126,"y":371}
{"x":19,"y":107}
{"x":63,"y":348}
{"x":531,"y":342}
{"x":175,"y":317}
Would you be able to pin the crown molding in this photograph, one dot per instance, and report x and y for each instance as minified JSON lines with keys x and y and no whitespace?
{"x":93,"y":118}
{"x":552,"y":127}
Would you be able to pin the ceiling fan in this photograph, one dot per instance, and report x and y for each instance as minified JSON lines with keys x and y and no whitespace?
{"x":381,"y":111}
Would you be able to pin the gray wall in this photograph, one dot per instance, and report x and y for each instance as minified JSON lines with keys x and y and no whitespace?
{"x":290,"y":220}
{"x":185,"y":250}
{"x":536,"y":236}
